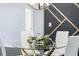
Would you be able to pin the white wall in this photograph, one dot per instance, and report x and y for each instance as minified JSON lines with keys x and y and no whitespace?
{"x":28,"y":19}
{"x":15,"y":18}
{"x":12,"y":22}
{"x":34,"y":20}
{"x":38,"y":22}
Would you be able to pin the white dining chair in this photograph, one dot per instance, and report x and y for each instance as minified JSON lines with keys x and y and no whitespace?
{"x":24,"y":36}
{"x":61,"y":43}
{"x":3,"y":50}
{"x":72,"y":46}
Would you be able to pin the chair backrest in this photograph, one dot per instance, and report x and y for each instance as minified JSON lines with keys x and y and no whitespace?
{"x":2,"y":48}
{"x":72,"y":46}
{"x":24,"y":36}
{"x":61,"y":38}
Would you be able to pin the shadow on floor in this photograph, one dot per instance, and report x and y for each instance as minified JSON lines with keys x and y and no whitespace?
{"x":11,"y":51}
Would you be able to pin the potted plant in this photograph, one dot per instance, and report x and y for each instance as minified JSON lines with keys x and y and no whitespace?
{"x":40,"y":43}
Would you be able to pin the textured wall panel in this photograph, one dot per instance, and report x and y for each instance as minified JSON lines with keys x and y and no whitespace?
{"x":67,"y":19}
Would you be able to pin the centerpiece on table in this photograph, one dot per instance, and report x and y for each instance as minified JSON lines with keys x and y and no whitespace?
{"x":37,"y":43}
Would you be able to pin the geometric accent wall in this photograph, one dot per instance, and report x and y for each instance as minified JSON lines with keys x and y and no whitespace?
{"x":63,"y":16}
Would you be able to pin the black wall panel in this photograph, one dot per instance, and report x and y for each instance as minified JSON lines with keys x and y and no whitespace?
{"x":49,"y":18}
{"x":70,"y":10}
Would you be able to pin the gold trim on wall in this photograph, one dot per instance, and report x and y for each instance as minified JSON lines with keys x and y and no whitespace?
{"x":61,"y":22}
